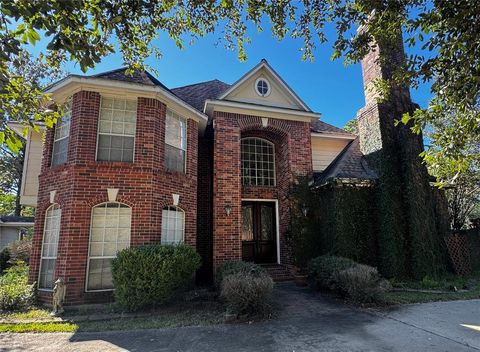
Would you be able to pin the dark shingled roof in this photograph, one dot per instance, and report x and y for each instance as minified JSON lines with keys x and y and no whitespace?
{"x":349,"y":164}
{"x":138,"y":76}
{"x":196,"y":94}
{"x":323,"y":127}
{"x":24,"y":219}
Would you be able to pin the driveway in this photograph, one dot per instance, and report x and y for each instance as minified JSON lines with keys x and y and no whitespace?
{"x":307,"y":322}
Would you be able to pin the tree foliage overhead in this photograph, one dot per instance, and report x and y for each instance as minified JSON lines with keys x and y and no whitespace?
{"x":84,"y":31}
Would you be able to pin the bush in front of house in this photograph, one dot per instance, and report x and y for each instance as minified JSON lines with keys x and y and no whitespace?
{"x":358,"y":282}
{"x":237,"y":266}
{"x":4,"y":259}
{"x":15,"y":292}
{"x":322,"y":270}
{"x":20,"y":251}
{"x":246,"y":289}
{"x":153,"y":274}
{"x":362,"y":284}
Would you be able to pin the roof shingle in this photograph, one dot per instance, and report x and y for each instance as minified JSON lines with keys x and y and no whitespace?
{"x":196,"y":94}
{"x":323,"y":127}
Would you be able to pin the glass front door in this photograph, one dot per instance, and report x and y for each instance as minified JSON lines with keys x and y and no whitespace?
{"x":258,"y":232}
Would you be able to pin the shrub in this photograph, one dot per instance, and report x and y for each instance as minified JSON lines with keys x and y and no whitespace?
{"x":15,"y":292}
{"x":247,"y":293}
{"x":237,"y":266}
{"x":20,"y":251}
{"x":4,"y":259}
{"x":362,"y":283}
{"x":322,"y":270}
{"x":151,"y":275}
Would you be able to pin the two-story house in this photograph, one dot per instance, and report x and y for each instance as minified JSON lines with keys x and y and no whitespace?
{"x":210,"y":164}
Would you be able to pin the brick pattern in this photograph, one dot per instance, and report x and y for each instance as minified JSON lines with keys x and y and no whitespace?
{"x":82,"y":182}
{"x":292,"y":158}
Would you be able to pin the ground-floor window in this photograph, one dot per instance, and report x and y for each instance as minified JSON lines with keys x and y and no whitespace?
{"x":173,"y":225}
{"x":110,"y":233}
{"x":51,"y":234}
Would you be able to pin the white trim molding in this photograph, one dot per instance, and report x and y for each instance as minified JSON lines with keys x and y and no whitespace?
{"x":333,"y":135}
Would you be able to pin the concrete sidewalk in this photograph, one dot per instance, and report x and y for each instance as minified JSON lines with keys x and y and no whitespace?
{"x":307,"y":322}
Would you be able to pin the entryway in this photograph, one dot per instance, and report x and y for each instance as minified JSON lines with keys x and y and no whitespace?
{"x":259,"y":231}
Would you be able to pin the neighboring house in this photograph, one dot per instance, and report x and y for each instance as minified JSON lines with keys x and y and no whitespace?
{"x":13,"y":228}
{"x":209,"y":164}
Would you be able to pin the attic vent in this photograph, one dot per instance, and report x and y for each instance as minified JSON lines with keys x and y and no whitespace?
{"x":262,"y":87}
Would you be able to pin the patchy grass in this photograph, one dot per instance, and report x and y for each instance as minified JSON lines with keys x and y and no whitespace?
{"x":472,"y":283}
{"x":181,"y":314}
{"x":39,"y":327}
{"x":35,"y":313}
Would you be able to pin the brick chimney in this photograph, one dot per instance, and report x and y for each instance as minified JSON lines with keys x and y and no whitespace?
{"x":406,"y":204}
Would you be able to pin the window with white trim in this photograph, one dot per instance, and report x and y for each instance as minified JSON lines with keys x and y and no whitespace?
{"x":116,"y":129}
{"x":173,"y":225}
{"x":61,"y":138}
{"x":109,"y":233}
{"x":258,"y":162}
{"x":51,"y":234}
{"x":175,"y":142}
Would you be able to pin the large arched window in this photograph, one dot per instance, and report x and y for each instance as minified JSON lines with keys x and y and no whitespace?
{"x":51,"y":234}
{"x":109,"y":233}
{"x":173,"y":225}
{"x":258,"y":162}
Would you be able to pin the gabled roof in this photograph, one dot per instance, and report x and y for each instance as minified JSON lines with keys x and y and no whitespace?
{"x":196,"y":94}
{"x":263,"y":64}
{"x":349,"y":164}
{"x":137,"y":76}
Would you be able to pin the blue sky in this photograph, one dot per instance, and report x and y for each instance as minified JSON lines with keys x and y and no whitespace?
{"x":326,"y":86}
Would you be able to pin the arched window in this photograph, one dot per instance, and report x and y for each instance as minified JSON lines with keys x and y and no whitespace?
{"x":109,"y":233}
{"x":173,"y":225}
{"x":258,"y":162}
{"x":51,"y":234}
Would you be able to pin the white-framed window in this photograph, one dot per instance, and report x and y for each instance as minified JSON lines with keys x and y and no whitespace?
{"x":173,"y":225}
{"x":51,"y":234}
{"x":109,"y":233}
{"x":175,"y":142}
{"x":262,"y":87}
{"x":258,"y":162}
{"x":61,"y":137}
{"x":116,"y":129}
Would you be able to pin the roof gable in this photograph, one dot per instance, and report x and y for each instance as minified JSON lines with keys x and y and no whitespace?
{"x":281,"y":95}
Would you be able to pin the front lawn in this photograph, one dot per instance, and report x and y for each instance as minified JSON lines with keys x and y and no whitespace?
{"x":431,"y":290}
{"x":179,"y":314}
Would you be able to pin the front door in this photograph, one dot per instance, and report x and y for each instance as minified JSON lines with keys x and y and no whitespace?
{"x":259,"y":232}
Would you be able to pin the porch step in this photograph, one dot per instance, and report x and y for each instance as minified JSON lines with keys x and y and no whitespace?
{"x":278,"y":272}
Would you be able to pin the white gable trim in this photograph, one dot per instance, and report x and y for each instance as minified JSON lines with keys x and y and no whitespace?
{"x":72,"y":84}
{"x":259,"y":110}
{"x":332,"y":135}
{"x":264,"y":64}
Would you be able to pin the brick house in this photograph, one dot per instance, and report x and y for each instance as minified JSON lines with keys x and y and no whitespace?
{"x":209,"y":164}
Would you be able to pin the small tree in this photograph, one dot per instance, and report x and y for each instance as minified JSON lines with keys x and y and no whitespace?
{"x":463,"y":197}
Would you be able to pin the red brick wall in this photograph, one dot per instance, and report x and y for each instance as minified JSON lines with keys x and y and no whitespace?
{"x":292,"y":158}
{"x":82,"y":182}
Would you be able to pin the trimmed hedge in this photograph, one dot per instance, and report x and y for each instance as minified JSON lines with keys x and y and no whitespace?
{"x":151,"y":275}
{"x":360,"y":283}
{"x":246,"y":289}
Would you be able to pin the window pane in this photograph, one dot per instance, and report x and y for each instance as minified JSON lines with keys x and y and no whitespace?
{"x":116,"y":128}
{"x":175,"y":142}
{"x":174,"y":159}
{"x":60,"y":151}
{"x":173,"y":223}
{"x":110,"y":233}
{"x":258,"y":168}
{"x":49,"y":247}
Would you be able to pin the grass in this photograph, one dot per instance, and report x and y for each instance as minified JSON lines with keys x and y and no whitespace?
{"x":442,"y":284}
{"x":35,"y":313}
{"x":181,"y":314}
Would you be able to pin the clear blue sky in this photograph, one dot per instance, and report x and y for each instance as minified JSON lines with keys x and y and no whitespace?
{"x":326,"y":86}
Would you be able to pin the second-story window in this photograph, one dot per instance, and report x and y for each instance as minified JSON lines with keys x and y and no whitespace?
{"x":116,"y":129}
{"x":62,"y":133}
{"x":175,"y":142}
